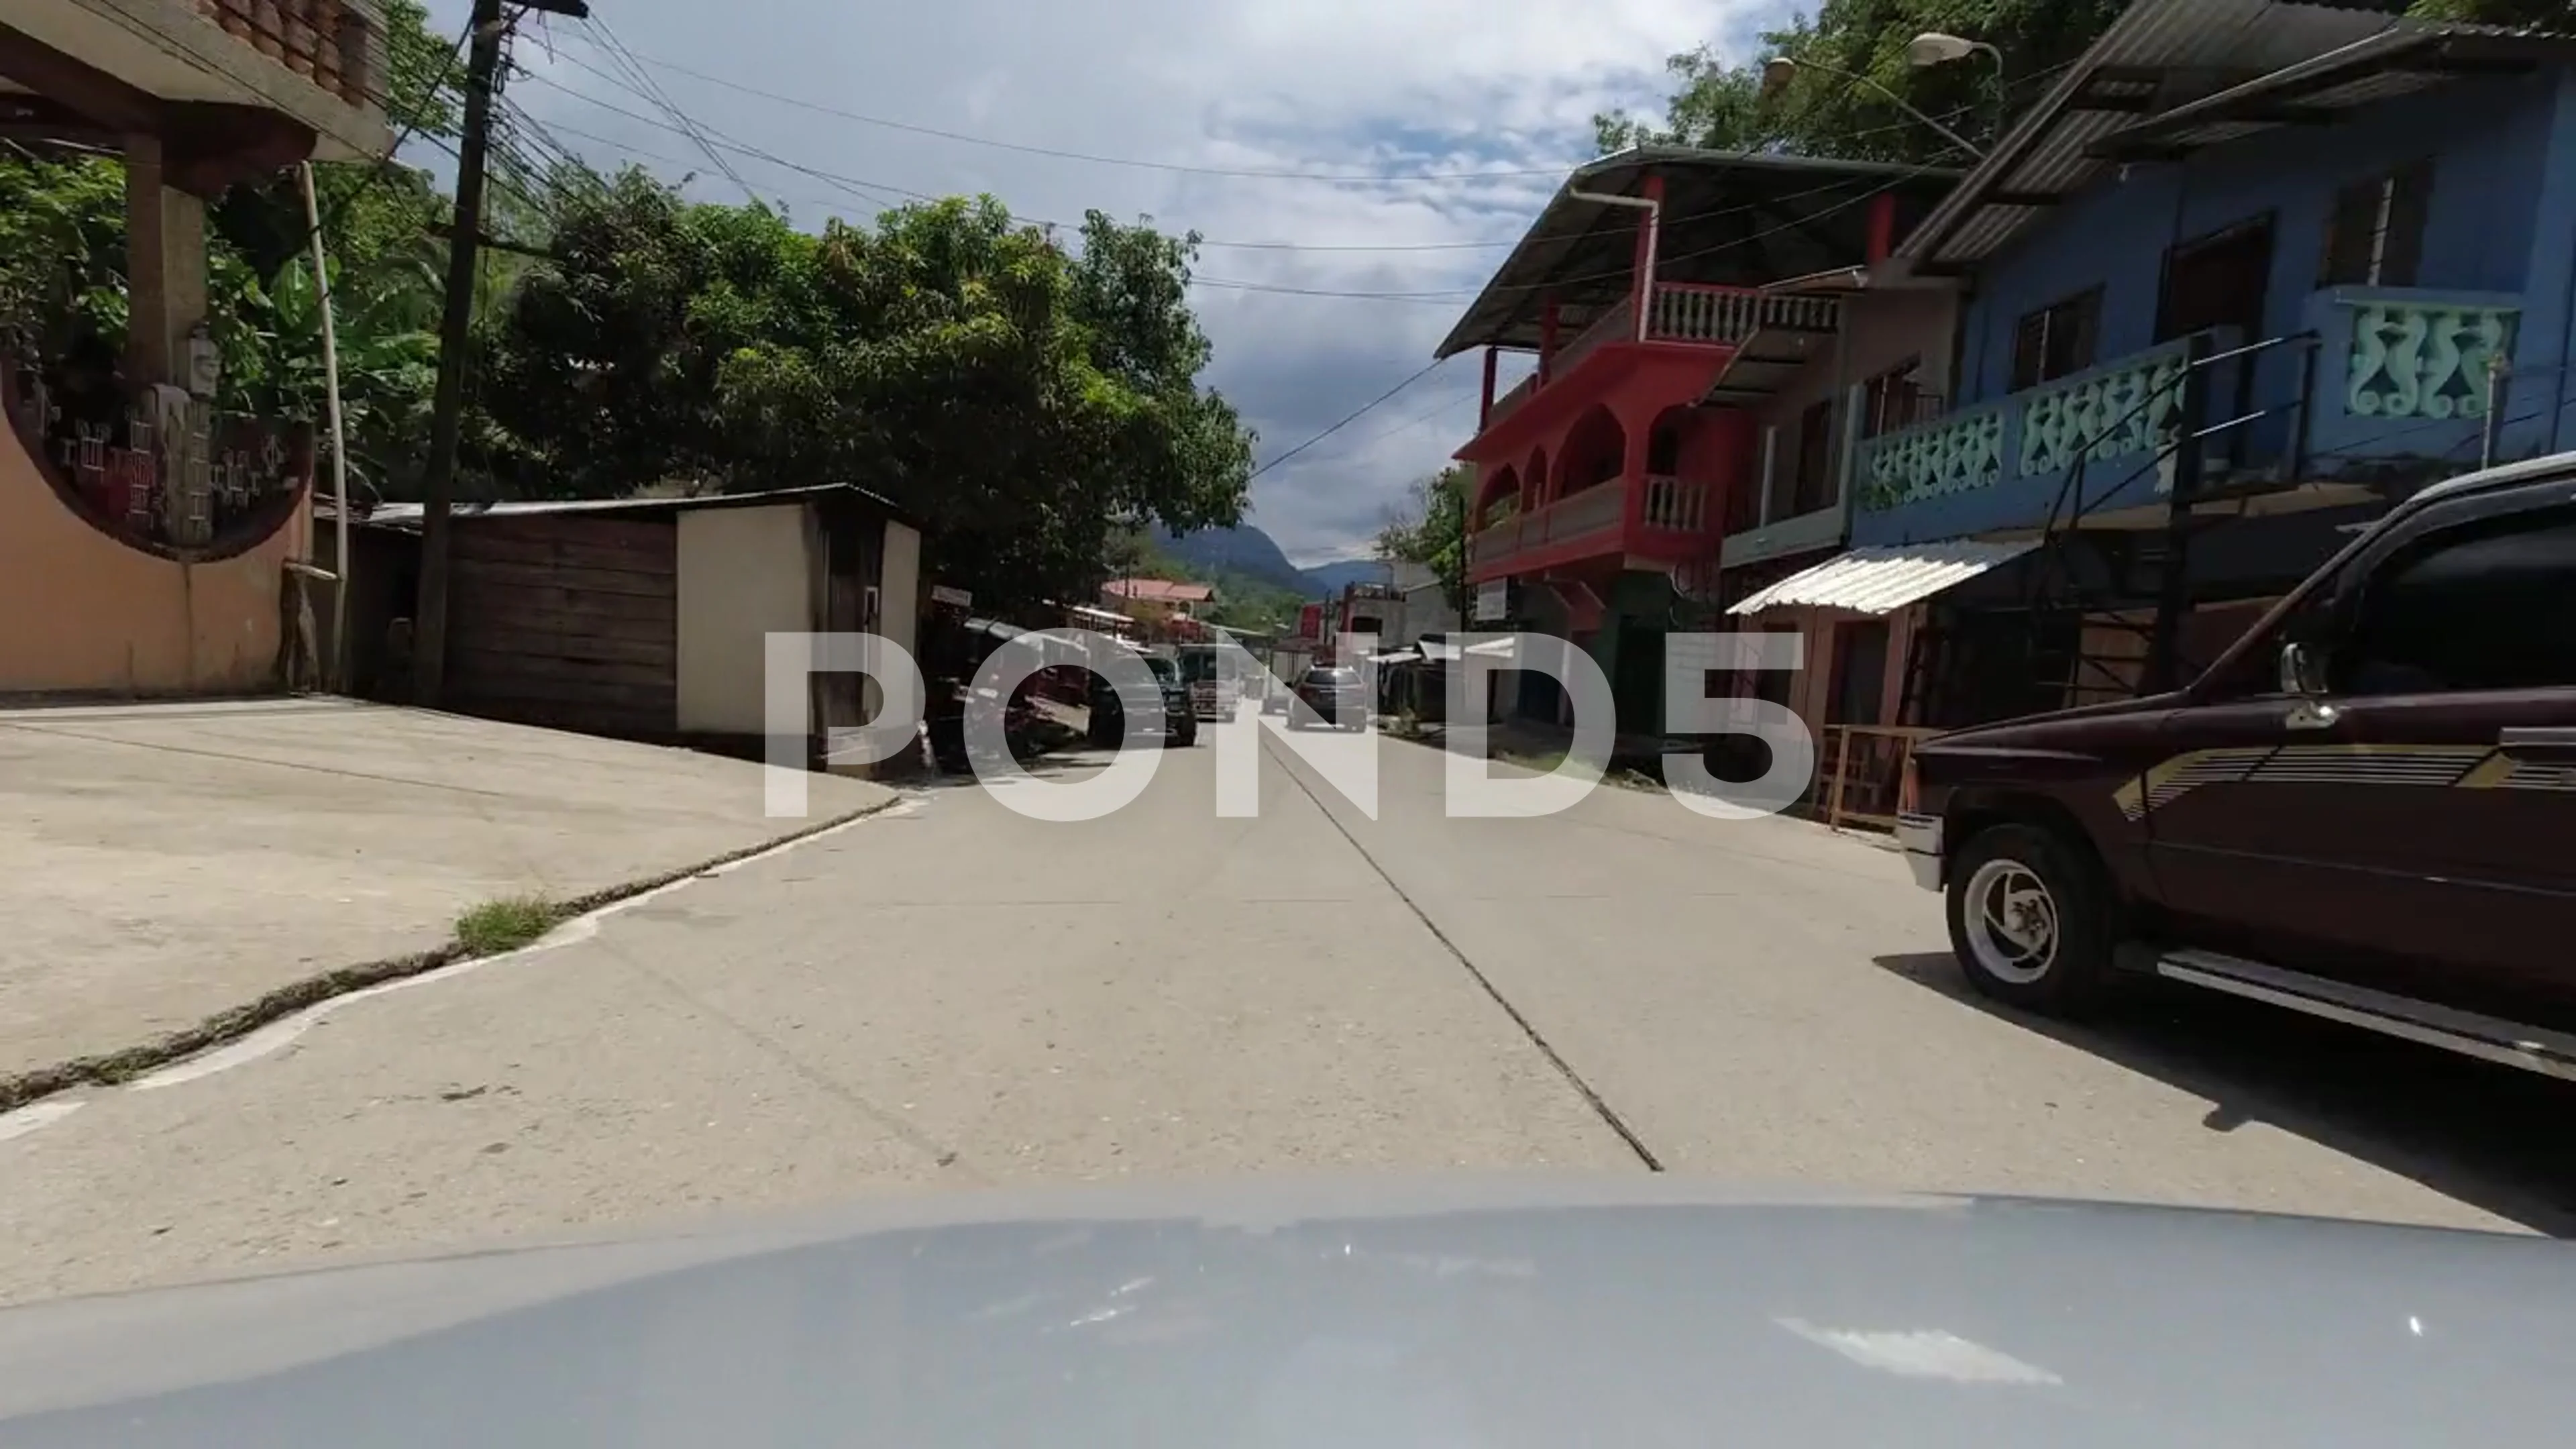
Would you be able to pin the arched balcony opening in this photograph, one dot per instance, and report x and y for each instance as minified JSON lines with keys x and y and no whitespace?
{"x":1596,"y":447}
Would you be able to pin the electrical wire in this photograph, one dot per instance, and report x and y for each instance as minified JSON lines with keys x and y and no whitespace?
{"x":1354,"y":415}
{"x":652,"y":91}
{"x":1839,"y":184}
{"x":1056,"y":153}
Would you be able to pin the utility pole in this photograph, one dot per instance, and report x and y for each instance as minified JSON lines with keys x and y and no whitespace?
{"x":438,"y":480}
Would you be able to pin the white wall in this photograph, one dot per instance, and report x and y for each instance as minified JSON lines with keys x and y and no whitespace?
{"x":898,"y":600}
{"x":744,"y":572}
{"x":900,"y":590}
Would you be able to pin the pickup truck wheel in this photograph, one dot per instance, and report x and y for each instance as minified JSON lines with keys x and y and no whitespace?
{"x":2028,"y":920}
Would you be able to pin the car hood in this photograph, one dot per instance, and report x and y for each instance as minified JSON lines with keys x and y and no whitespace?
{"x":1353,"y":1315}
{"x":2032,"y":729}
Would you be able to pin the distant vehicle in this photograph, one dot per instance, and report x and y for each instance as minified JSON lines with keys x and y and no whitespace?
{"x":1214,"y":689}
{"x":1169,"y":708}
{"x":1331,"y":694}
{"x":2362,"y":811}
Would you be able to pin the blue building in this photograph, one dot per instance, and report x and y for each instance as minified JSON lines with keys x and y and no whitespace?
{"x":2286,"y":261}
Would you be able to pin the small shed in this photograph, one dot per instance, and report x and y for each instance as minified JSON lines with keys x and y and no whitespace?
{"x":640,"y":618}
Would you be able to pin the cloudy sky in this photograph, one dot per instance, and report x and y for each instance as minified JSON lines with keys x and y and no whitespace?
{"x":1204,"y":114}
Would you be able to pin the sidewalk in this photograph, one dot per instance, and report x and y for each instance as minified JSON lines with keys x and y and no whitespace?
{"x":164,"y":864}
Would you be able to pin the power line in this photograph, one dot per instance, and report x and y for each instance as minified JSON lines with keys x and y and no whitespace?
{"x":1246,"y":173}
{"x":1363,"y":410}
{"x":730,"y":143}
{"x":651,"y":91}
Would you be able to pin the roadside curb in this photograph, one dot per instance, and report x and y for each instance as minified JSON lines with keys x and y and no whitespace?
{"x":108,"y":1069}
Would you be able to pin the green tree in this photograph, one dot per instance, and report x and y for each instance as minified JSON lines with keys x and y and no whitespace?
{"x":63,"y":271}
{"x":1820,"y":113}
{"x":1430,"y":530}
{"x":1721,"y":104}
{"x":1027,"y":404}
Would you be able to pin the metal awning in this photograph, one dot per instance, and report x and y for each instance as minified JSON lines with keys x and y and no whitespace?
{"x":2156,"y":57}
{"x":2384,"y":66}
{"x":1884,"y":579}
{"x":1729,"y":218}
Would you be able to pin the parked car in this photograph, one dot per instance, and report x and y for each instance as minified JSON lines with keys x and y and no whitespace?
{"x":1333,"y":695}
{"x":1168,"y":707}
{"x":2363,"y":811}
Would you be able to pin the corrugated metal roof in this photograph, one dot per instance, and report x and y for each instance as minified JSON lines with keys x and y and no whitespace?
{"x":1879,"y":580}
{"x":407,"y":515}
{"x":2159,"y":53}
{"x":2379,"y":67}
{"x":1583,"y":252}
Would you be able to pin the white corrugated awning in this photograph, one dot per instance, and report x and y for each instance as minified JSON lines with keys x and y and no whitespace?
{"x":1878,"y":580}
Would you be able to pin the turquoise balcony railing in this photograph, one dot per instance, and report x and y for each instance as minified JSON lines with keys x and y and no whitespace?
{"x":2001,"y":464}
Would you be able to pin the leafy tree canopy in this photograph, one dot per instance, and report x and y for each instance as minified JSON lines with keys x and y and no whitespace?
{"x":1026,"y":402}
{"x":1431,"y":529}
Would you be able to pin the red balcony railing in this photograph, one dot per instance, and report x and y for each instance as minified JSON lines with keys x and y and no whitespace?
{"x":1687,"y":314}
{"x":335,"y":45}
{"x":1597,"y":509}
{"x":1673,"y":519}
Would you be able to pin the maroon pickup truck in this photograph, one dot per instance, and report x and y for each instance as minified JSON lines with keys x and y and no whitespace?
{"x":2366,"y":810}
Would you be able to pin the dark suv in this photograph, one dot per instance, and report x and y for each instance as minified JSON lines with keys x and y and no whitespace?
{"x":2366,"y":810}
{"x":1169,"y":708}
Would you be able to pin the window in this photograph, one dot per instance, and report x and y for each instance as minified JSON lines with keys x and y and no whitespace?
{"x":2484,"y":606}
{"x":1894,"y":399}
{"x":2375,"y":237}
{"x":2217,"y":280}
{"x":1812,"y":485}
{"x":2056,"y":340}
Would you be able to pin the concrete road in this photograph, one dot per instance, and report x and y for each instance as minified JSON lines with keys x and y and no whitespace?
{"x":951,"y":996}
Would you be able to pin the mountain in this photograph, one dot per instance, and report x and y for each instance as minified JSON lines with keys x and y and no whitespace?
{"x":1329,"y":578}
{"x":1249,"y":552}
{"x":1246,"y":550}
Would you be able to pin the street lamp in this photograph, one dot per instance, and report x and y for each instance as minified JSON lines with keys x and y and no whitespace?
{"x":1934,"y":47}
{"x":1928,"y":49}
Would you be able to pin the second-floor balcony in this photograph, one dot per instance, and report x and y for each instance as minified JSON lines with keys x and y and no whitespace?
{"x":263,"y":78}
{"x":1663,"y":519}
{"x":1708,"y":320}
{"x":2383,"y":381}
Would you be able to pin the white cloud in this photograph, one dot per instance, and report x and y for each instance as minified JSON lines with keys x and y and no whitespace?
{"x":1335,"y":86}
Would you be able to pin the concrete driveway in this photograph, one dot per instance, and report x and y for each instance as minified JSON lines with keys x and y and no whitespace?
{"x":162,"y":864}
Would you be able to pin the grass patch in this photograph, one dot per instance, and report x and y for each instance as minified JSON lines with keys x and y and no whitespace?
{"x":506,"y":924}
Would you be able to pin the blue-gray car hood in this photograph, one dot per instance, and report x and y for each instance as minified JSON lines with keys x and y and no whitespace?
{"x":1345,"y":1316}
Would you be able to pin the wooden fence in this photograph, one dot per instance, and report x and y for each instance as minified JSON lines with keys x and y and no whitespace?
{"x":1864,"y":780}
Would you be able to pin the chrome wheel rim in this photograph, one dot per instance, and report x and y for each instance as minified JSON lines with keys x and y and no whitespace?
{"x":2012,"y":923}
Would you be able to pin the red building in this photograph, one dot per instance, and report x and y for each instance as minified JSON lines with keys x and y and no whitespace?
{"x":1605,"y":478}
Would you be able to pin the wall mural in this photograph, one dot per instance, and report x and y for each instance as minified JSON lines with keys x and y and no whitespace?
{"x":157,"y":469}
